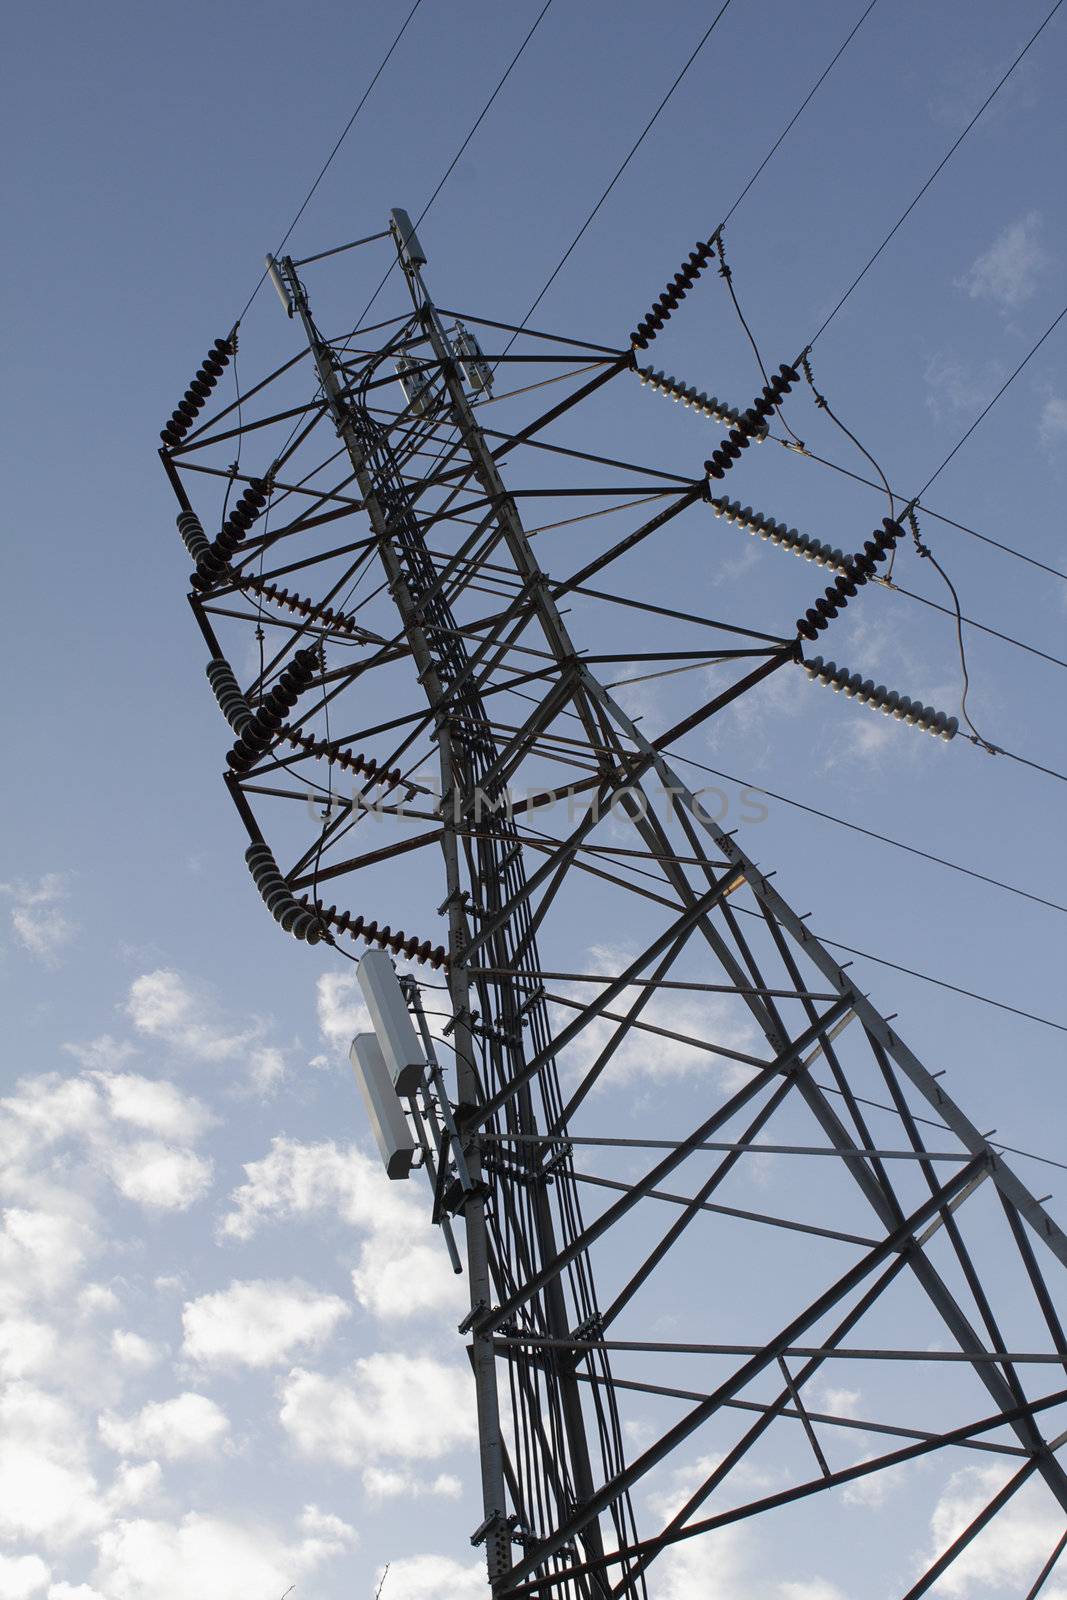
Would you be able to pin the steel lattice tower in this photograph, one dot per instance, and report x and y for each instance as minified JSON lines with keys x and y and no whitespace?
{"x":418,"y":675}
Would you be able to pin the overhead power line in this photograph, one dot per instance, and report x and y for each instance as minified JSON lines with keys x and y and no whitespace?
{"x":798,"y":113}
{"x":908,"y":513}
{"x":873,"y":833}
{"x":842,"y":822}
{"x":803,"y":106}
{"x":329,"y":159}
{"x":1023,"y":761}
{"x":939,"y":516}
{"x":994,"y":633}
{"x":941,"y":983}
{"x":906,"y":213}
{"x":866,"y":955}
{"x":1034,"y":348}
{"x":476,"y":124}
{"x":638,"y":142}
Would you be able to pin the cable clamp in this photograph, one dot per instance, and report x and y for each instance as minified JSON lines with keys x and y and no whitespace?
{"x":562,"y":1155}
{"x":531,"y":1000}
{"x":457,"y":897}
{"x":464,"y":1014}
{"x":456,"y":1195}
{"x":588,"y":1330}
{"x":495,"y":1522}
{"x":471,"y":1318}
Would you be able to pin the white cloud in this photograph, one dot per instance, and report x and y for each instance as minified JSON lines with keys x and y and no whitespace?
{"x":434,"y":1578}
{"x":158,"y":1177}
{"x":93,"y":1113}
{"x":1008,"y":272}
{"x":325,"y":1525}
{"x":26,"y":1347}
{"x":389,"y":1483}
{"x":184,"y":1015}
{"x":651,"y":1056}
{"x":1052,"y":429}
{"x":134,"y":1483}
{"x":838,"y":1402}
{"x":303,"y":1180}
{"x":47,"y":1491}
{"x":211,"y":1557}
{"x":98,"y":1300}
{"x":729,"y":1564}
{"x":155,"y":1105}
{"x":870,"y":1491}
{"x":1009,"y":1550}
{"x":102,"y":1054}
{"x":41,"y":1252}
{"x":396,"y":1278}
{"x":266,"y":1068}
{"x":733,"y":1561}
{"x":757,"y":716}
{"x":21,"y":1576}
{"x":258,"y":1322}
{"x":714,"y":1569}
{"x":133,"y":1351}
{"x":955,"y":389}
{"x":403,"y":1269}
{"x":44,"y":1110}
{"x":341,"y":1011}
{"x":380,"y":1409}
{"x":73,"y":1591}
{"x":865,"y":737}
{"x":189,"y":1425}
{"x":165,"y":1006}
{"x":40,"y":924}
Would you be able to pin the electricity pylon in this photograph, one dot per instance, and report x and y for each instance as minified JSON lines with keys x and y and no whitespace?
{"x":420,"y":684}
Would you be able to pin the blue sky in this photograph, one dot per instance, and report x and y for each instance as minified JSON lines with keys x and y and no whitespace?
{"x":195,"y":1222}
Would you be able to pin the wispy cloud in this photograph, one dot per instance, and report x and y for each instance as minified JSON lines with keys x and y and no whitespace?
{"x":646,"y":1056}
{"x":956,"y":388}
{"x":38,"y":918}
{"x":1008,"y":272}
{"x":173,"y":1010}
{"x":341,"y":1012}
{"x":967,"y":80}
{"x":1052,"y":428}
{"x":389,"y":1483}
{"x":165,"y":1006}
{"x":401,"y":1272}
{"x":1005,"y":1554}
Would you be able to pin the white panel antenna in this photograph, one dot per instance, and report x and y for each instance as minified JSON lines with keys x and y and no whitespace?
{"x":412,"y":254}
{"x":391,"y":1021}
{"x":388,"y":1122}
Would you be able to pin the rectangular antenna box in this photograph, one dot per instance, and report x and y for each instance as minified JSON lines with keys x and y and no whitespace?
{"x":391,"y":1021}
{"x":388,"y":1122}
{"x":411,"y":251}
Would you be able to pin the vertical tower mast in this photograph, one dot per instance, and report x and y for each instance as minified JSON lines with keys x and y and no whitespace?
{"x":414,"y":587}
